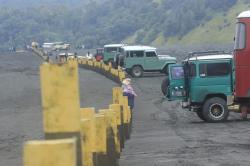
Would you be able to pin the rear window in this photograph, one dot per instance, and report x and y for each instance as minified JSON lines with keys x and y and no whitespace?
{"x":110,"y":49}
{"x":137,"y":54}
{"x":177,"y":72}
{"x":214,"y":69}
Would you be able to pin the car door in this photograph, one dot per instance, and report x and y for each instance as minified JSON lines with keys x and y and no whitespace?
{"x":151,"y":60}
{"x":176,"y":89}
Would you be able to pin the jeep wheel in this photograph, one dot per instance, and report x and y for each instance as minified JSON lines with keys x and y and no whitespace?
{"x":164,"y":86}
{"x":200,"y":114}
{"x":215,"y":110}
{"x":137,"y":71}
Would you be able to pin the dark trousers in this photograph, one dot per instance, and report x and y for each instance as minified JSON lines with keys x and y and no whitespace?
{"x":131,"y":99}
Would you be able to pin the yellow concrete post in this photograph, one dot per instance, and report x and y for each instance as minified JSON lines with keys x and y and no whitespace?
{"x":87,"y":138}
{"x":111,"y":121}
{"x":50,"y":153}
{"x":117,"y":109}
{"x":116,"y":93}
{"x":87,"y":113}
{"x":60,"y":97}
{"x":122,"y":75}
{"x":119,"y":119}
{"x":101,"y":134}
{"x":60,"y":102}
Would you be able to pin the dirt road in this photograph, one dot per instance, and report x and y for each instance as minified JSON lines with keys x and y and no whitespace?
{"x":163,"y":134}
{"x":20,"y":102}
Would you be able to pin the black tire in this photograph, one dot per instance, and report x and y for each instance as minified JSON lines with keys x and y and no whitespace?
{"x":215,"y":110}
{"x":200,"y":114}
{"x":137,"y":71}
{"x":164,"y":86}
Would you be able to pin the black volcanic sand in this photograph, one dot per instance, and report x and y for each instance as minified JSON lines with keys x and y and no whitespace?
{"x":163,"y":134}
{"x":20,"y":102}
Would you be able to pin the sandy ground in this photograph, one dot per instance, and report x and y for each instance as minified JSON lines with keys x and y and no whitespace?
{"x":20,"y":102}
{"x":163,"y":134}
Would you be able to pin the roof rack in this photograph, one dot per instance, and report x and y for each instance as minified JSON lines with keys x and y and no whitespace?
{"x":203,"y":53}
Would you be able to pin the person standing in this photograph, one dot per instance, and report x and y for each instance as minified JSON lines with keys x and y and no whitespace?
{"x":129,"y":92}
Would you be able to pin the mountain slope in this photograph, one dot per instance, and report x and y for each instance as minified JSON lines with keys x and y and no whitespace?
{"x":94,"y":23}
{"x":219,"y":30}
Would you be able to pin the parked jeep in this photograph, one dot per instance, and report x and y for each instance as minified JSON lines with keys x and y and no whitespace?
{"x":110,"y":51}
{"x":139,"y":59}
{"x":204,"y":82}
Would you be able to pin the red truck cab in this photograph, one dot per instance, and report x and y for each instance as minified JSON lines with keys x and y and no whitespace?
{"x":242,"y":58}
{"x":99,"y":54}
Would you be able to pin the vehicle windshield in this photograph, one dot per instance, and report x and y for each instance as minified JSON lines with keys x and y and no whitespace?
{"x":110,"y":49}
{"x":177,"y":72}
{"x":240,"y":36}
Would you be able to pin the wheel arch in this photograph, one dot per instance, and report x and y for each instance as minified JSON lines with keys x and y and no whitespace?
{"x":136,"y":66}
{"x":220,"y":95}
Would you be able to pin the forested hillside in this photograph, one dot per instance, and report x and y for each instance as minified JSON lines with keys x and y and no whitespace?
{"x":98,"y":22}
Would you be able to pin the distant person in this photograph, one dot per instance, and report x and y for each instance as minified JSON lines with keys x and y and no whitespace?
{"x":128,"y":91}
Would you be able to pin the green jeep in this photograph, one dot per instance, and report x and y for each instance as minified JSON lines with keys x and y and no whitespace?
{"x":139,"y":59}
{"x":110,"y":51}
{"x":204,"y":82}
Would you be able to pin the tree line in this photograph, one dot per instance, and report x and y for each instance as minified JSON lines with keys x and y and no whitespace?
{"x":95,"y":24}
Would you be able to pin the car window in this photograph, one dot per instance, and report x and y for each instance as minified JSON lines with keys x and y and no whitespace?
{"x":137,"y":54}
{"x":110,"y":49}
{"x":151,"y":54}
{"x":177,"y":72}
{"x":214,"y":69}
{"x":192,"y":70}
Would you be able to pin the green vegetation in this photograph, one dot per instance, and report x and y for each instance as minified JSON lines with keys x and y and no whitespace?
{"x":98,"y":22}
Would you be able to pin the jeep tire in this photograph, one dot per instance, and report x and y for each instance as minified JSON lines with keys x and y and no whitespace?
{"x":164,"y":86}
{"x":215,"y":110}
{"x":200,"y":114}
{"x":137,"y":71}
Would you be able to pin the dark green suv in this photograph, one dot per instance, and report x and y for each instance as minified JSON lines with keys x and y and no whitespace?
{"x":204,"y":83}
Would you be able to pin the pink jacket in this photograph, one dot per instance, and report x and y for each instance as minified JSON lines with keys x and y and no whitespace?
{"x":128,"y":89}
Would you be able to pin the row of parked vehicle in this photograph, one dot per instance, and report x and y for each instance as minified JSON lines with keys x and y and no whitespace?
{"x":209,"y":83}
{"x":135,"y":59}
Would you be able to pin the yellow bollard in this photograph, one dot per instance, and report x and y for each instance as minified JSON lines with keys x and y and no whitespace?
{"x":60,"y":97}
{"x":119,"y":119}
{"x":50,"y":153}
{"x":60,"y":102}
{"x":101,"y":134}
{"x":116,"y":94}
{"x":113,"y":145}
{"x":88,"y":138}
{"x":111,"y":120}
{"x":87,"y":113}
{"x":117,"y":109}
{"x":122,"y":75}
